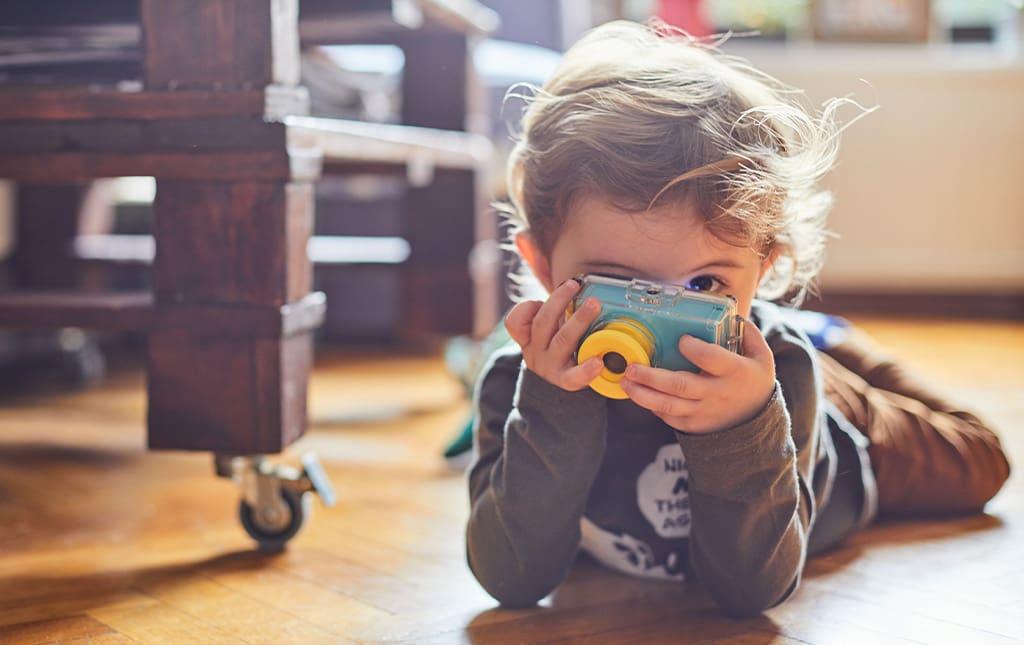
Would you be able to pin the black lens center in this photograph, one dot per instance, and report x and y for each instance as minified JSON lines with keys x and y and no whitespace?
{"x":615,"y":362}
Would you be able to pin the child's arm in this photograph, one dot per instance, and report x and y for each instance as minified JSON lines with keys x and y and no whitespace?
{"x":752,"y":495}
{"x":538,"y":451}
{"x":751,"y":487}
{"x":540,"y":441}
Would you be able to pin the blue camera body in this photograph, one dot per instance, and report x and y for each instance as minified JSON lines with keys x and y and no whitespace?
{"x":642,"y":321}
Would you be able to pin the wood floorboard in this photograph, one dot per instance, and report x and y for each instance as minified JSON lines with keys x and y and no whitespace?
{"x":56,"y":629}
{"x":102,"y":541}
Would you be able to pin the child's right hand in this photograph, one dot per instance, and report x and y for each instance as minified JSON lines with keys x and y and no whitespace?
{"x":549,"y":340}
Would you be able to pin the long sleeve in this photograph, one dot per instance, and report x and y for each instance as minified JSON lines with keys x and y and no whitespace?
{"x":538,"y":449}
{"x":753,"y":492}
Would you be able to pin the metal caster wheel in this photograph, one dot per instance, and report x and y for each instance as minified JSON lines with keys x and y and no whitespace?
{"x":82,"y":361}
{"x":276,"y":499}
{"x":273,"y":525}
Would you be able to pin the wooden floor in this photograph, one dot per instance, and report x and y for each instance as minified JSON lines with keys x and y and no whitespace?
{"x":102,"y":542}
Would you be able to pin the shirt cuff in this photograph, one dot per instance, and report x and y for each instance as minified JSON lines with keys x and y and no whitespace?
{"x":555,"y":404}
{"x":767,"y":429}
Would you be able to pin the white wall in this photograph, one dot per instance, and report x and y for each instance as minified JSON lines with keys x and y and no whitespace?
{"x":930,"y":188}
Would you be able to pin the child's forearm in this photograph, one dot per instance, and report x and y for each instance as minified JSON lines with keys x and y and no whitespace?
{"x":753,"y":489}
{"x":536,"y":463}
{"x":750,"y":511}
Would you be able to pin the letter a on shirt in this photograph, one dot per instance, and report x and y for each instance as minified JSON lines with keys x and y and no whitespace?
{"x":662,"y":493}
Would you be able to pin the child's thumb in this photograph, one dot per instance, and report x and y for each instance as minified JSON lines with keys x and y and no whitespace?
{"x":754,"y":344}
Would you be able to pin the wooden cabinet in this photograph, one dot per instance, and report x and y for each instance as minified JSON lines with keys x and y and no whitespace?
{"x":217,"y":117}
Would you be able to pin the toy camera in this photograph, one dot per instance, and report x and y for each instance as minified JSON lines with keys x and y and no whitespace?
{"x":642,"y":322}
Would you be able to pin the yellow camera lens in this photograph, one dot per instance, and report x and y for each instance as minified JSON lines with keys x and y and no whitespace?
{"x":618,"y":344}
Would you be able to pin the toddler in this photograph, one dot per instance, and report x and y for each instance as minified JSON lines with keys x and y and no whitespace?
{"x":649,"y":155}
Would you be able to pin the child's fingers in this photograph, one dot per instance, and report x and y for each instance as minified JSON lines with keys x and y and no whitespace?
{"x":578,"y":377}
{"x":683,"y":385}
{"x":710,"y":358}
{"x":567,"y":339}
{"x":519,"y":321}
{"x":550,"y":316}
{"x":658,"y":402}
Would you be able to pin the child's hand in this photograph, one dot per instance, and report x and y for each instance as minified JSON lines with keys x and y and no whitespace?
{"x":730,"y":389}
{"x":549,"y":340}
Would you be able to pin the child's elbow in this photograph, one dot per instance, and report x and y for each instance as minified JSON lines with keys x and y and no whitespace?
{"x":514,"y":594}
{"x":755,"y":598}
{"x":509,"y":585}
{"x":518,"y":599}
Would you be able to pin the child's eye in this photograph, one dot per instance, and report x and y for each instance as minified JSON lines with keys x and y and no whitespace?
{"x":704,"y":283}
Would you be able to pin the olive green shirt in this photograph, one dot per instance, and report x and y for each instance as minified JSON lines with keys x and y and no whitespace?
{"x":557,"y":472}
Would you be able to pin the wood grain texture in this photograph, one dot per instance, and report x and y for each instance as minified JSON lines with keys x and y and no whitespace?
{"x":135,"y":311}
{"x":138,"y":135}
{"x":43,"y":167}
{"x":48,"y":221}
{"x":238,"y":395}
{"x":52,"y":310}
{"x":229,"y":44}
{"x":56,"y":629}
{"x":105,"y":541}
{"x":89,"y":104}
{"x":436,"y":90}
{"x":237,"y":242}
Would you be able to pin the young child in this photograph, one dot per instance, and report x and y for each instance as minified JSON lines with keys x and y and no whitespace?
{"x":649,"y":155}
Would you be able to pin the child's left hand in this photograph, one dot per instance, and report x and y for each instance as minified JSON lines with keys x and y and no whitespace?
{"x":730,"y":389}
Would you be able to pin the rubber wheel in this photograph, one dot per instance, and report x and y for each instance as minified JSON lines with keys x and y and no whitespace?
{"x":271,"y":539}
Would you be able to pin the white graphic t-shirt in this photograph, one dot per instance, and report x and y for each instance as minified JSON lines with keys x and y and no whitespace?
{"x":663,"y":500}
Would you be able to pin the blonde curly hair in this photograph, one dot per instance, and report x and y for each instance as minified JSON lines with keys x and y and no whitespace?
{"x":646,"y":116}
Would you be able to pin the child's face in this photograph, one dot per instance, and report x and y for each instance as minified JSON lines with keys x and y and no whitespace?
{"x":670,"y":244}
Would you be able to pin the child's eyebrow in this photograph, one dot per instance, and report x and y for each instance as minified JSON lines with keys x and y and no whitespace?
{"x":612,"y":267}
{"x":625,"y":271}
{"x":719,"y":264}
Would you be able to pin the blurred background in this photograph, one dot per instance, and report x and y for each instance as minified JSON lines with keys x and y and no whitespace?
{"x":930,"y":201}
{"x":177,"y":177}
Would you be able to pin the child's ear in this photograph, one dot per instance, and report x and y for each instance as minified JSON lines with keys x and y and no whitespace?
{"x":768,"y":263}
{"x":534,"y":258}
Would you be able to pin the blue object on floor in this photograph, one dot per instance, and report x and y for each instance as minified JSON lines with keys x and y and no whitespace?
{"x":823,"y":330}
